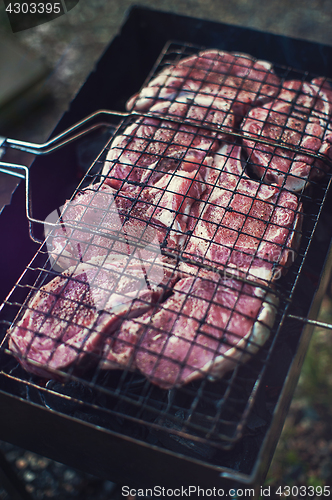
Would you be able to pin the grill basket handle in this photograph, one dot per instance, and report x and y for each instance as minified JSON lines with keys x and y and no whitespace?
{"x":69,"y":135}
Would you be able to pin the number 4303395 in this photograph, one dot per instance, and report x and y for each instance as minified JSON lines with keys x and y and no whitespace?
{"x":34,"y":8}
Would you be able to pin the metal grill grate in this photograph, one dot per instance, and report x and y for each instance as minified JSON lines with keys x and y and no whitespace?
{"x":150,"y":243}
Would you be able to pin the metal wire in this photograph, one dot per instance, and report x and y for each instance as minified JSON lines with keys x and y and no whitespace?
{"x":320,"y":324}
{"x":69,"y":135}
{"x":206,"y":413}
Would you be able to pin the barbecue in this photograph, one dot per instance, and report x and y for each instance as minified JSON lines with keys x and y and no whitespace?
{"x":205,"y":254}
{"x":178,"y":349}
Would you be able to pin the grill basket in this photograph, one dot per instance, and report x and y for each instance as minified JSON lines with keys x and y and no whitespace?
{"x":204,"y":425}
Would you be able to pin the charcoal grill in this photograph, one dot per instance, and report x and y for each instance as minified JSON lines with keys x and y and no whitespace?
{"x":221,"y":433}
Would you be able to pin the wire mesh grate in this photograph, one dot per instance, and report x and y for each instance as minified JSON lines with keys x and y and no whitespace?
{"x":180,"y":230}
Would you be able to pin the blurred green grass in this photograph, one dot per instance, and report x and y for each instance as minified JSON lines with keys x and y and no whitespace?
{"x":304,"y":453}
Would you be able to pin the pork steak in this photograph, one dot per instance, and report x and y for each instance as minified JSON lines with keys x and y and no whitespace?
{"x":149,"y":148}
{"x":210,"y":87}
{"x":100,"y":221}
{"x":205,"y":328}
{"x":68,"y":320}
{"x":298,"y":117}
{"x":242,"y":223}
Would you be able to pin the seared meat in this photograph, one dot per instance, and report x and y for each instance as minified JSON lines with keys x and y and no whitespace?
{"x":242,"y":223}
{"x":298,"y":117}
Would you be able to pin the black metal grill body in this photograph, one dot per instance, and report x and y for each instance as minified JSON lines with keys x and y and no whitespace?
{"x":81,"y":442}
